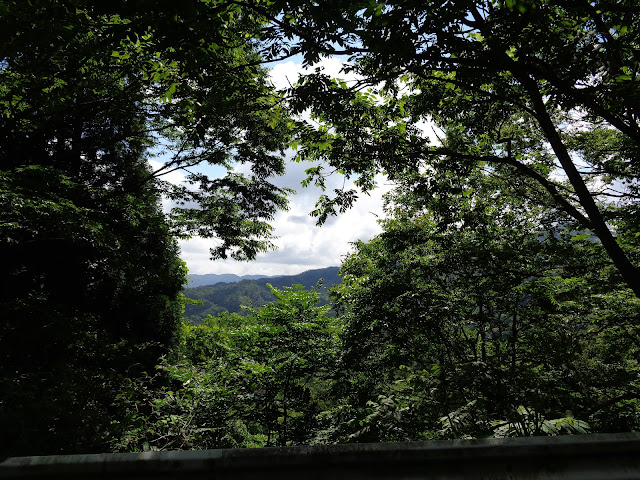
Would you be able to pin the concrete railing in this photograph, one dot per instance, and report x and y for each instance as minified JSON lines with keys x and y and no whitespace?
{"x":569,"y":457}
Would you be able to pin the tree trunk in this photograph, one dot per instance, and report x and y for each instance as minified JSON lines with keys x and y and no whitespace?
{"x":629,"y":272}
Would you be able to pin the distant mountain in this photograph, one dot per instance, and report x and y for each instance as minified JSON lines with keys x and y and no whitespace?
{"x":232,"y":296}
{"x":194,"y":280}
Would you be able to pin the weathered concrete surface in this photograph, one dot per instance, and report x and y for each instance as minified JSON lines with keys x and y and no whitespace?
{"x":571,"y":457}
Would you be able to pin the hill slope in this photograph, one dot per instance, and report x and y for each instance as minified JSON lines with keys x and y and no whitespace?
{"x":232,"y":296}
{"x":195,"y":280}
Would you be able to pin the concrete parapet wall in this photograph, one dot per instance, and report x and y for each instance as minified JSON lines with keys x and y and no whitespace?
{"x":568,"y":457}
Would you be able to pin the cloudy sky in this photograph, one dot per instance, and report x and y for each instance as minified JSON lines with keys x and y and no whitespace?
{"x":301,"y":244}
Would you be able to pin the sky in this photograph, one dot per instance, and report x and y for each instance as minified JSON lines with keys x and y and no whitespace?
{"x":301,"y":244}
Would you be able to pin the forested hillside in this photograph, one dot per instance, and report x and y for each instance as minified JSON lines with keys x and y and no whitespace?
{"x":194,"y":280}
{"x":231,"y":297}
{"x":501,"y":298}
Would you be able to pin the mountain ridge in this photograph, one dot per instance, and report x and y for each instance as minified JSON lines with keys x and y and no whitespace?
{"x":200,"y":280}
{"x":232,"y":296}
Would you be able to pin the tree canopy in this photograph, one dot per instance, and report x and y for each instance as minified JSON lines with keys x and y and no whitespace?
{"x":488,"y":322}
{"x":540,"y":90}
{"x":83,"y":84}
{"x":502,"y":297}
{"x":89,"y":93}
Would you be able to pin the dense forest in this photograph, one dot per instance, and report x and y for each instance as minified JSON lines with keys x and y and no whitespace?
{"x":502,"y":297}
{"x":232,"y":297}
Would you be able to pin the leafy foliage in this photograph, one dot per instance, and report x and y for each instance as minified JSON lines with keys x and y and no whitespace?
{"x":88,"y":94}
{"x":255,"y":380}
{"x":485,"y":320}
{"x":501,"y":298}
{"x":82,"y":94}
{"x":531,"y":90}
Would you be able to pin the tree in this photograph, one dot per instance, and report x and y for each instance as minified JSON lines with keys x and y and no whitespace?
{"x":82,"y":82}
{"x":544,"y":90}
{"x":239,"y":381}
{"x":88,"y":93}
{"x":286,"y":361}
{"x":479,"y":315}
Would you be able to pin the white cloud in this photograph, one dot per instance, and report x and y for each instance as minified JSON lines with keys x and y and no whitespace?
{"x":301,"y":244}
{"x":431,"y":131}
{"x":285,"y":74}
